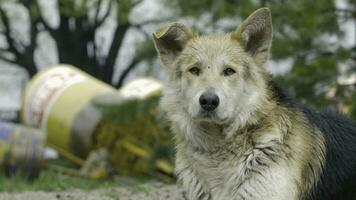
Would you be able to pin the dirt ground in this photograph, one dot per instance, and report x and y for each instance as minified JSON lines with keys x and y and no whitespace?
{"x":152,"y":191}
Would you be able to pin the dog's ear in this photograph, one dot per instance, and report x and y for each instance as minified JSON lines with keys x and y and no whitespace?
{"x":170,"y":41}
{"x":255,"y":35}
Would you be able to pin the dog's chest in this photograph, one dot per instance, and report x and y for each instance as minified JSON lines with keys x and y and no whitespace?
{"x":220,"y":172}
{"x":228,"y":175}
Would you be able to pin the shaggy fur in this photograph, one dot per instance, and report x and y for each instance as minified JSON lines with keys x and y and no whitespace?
{"x":258,"y":143}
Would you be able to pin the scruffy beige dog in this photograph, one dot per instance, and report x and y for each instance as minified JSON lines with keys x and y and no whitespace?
{"x":238,"y":135}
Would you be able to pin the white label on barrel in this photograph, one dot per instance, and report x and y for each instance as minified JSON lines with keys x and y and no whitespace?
{"x":44,"y":92}
{"x":140,"y":88}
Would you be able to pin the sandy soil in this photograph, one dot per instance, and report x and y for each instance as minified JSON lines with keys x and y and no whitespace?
{"x":153,"y":191}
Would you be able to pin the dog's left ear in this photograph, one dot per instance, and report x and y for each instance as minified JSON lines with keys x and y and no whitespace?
{"x":255,"y":35}
{"x":170,"y":41}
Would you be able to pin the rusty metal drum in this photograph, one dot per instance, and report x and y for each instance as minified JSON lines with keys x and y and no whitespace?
{"x":21,"y":149}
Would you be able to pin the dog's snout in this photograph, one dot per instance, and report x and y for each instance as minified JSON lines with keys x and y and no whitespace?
{"x":209,"y":101}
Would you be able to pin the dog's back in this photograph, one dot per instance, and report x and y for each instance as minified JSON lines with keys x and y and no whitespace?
{"x":338,"y":175}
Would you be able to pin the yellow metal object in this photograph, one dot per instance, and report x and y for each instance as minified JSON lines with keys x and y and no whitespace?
{"x":54,"y":101}
{"x":80,"y":113}
{"x":4,"y":147}
{"x":66,"y":107}
{"x":67,"y":155}
{"x":21,"y":149}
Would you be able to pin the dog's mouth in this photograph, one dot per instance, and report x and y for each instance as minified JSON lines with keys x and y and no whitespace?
{"x":210,"y":116}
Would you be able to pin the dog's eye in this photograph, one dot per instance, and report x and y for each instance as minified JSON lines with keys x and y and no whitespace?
{"x":228,"y":71}
{"x":195,"y":71}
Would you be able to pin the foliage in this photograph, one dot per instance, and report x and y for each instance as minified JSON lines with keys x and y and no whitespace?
{"x":136,"y":136}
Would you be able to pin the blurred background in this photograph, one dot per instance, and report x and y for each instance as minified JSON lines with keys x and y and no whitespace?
{"x":313,"y":53}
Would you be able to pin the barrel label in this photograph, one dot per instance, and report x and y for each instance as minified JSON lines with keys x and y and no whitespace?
{"x":45,"y":90}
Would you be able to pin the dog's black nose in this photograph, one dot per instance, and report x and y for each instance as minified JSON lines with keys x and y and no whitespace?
{"x":209,"y":101}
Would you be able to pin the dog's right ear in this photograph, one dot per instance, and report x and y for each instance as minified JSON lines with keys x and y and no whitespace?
{"x":170,"y":41}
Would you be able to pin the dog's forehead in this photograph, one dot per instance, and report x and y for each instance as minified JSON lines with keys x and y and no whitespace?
{"x":214,"y":48}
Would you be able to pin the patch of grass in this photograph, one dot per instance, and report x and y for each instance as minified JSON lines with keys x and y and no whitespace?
{"x":111,"y":194}
{"x":49,"y":180}
{"x":141,"y":188}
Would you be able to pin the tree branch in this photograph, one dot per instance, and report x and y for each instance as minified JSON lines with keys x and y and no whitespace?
{"x":7,"y":60}
{"x":116,"y":43}
{"x":97,"y":11}
{"x":41,"y":20}
{"x":3,"y":50}
{"x":152,"y":21}
{"x":136,"y":3}
{"x":26,"y":58}
{"x":7,"y":32}
{"x":345,"y":10}
{"x":126,"y":72}
{"x":34,"y":20}
{"x":139,"y":26}
{"x":98,"y":22}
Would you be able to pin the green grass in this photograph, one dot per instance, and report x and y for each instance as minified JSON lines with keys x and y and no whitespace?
{"x":49,"y":180}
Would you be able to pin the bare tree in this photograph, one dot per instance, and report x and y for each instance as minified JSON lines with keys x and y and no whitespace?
{"x":74,"y":36}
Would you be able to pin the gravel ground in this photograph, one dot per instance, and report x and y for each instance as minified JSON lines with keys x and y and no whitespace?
{"x":153,"y":191}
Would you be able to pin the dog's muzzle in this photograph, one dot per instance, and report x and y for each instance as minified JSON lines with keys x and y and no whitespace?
{"x":209,"y":101}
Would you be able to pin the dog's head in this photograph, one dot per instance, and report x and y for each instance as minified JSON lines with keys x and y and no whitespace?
{"x":216,"y":78}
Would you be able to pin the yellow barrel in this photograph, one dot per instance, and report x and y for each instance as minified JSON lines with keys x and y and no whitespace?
{"x":58,"y":100}
{"x":21,"y":149}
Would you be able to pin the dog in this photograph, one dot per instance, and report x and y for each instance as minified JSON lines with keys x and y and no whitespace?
{"x":238,"y":134}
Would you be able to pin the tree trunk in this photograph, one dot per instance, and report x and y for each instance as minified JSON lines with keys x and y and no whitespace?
{"x":108,"y":69}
